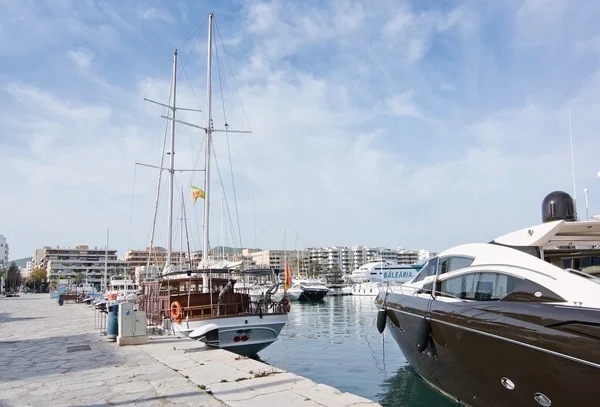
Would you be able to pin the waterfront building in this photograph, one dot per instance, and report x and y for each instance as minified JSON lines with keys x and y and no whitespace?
{"x":275,"y":259}
{"x":157,"y":256}
{"x":79,"y":263}
{"x":4,"y":253}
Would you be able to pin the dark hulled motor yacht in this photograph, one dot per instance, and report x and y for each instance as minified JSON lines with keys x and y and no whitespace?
{"x":307,"y":290}
{"x":507,"y":323}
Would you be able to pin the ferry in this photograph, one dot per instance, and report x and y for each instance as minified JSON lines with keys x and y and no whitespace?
{"x":368,"y":278}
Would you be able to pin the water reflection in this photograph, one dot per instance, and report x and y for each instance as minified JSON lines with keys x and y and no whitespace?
{"x":406,"y":388}
{"x":336,"y":342}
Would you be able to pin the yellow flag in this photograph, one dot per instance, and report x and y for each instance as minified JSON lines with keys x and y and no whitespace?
{"x":197,"y":193}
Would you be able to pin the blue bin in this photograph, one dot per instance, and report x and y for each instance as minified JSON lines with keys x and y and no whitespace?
{"x":112,"y":322}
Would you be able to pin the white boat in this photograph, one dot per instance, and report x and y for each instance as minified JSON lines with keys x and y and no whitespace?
{"x":202,"y":304}
{"x":221,"y":317}
{"x":307,"y":290}
{"x":123,"y":289}
{"x":370,"y":277}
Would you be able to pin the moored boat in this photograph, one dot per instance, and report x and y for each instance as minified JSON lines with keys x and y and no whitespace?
{"x":505,"y":323}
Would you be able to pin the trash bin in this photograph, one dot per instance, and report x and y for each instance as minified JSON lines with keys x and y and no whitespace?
{"x":61,"y":299}
{"x":112,"y":322}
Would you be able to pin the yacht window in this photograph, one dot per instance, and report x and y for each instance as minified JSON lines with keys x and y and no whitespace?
{"x":427,"y":270}
{"x":454,"y":263}
{"x":482,"y":286}
{"x":431,"y":270}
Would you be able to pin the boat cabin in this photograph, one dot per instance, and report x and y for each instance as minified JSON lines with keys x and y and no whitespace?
{"x":182,"y":297}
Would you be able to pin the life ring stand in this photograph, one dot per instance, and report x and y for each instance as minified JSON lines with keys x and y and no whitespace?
{"x":287,"y":304}
{"x":176,"y":311}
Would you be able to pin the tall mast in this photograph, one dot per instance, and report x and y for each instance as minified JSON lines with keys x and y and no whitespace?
{"x":172,"y":165}
{"x":106,"y":262}
{"x":181,"y":265}
{"x":207,"y":150}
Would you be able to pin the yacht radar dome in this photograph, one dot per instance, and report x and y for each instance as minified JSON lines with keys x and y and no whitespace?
{"x":558,"y":205}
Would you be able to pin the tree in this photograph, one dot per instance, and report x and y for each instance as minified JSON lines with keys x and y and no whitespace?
{"x":36,"y":279}
{"x":13,"y":278}
{"x":336,"y":275}
{"x":315,"y":269}
{"x":78,"y":278}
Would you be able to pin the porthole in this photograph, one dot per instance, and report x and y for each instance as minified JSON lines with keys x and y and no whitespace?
{"x":542,"y":400}
{"x":506,"y":382}
{"x":538,"y":294}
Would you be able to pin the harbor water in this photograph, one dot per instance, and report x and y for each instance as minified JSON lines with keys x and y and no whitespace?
{"x":336,"y":342}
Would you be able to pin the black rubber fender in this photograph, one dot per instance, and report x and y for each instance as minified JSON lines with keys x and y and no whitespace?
{"x":381,"y":320}
{"x":423,"y":334}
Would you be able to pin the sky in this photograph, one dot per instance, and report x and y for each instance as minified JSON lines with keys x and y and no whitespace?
{"x":385,"y":122}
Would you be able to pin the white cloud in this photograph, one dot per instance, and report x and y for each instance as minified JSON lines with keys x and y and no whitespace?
{"x":81,"y":57}
{"x":152,"y":14}
{"x":403,"y":105}
{"x":340,"y":147}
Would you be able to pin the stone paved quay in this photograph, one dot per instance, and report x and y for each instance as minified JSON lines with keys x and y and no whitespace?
{"x":52,"y":355}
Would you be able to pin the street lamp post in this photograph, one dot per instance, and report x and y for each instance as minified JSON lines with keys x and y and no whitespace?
{"x":587,"y":213}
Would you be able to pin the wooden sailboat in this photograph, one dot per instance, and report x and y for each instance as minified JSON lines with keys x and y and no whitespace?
{"x":201,"y":303}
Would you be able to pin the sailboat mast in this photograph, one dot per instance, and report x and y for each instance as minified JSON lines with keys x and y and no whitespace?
{"x":207,"y":149}
{"x":181,"y":263}
{"x":172,"y":164}
{"x":106,"y":262}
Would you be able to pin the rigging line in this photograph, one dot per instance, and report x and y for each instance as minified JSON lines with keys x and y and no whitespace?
{"x":190,"y":83}
{"x":193,"y":150}
{"x":220,"y":177}
{"x":192,"y":179}
{"x":151,"y":139}
{"x":177,"y":228}
{"x":132,"y":200}
{"x":227,"y":64}
{"x":195,"y":165}
{"x":187,"y":237}
{"x":197,"y":28}
{"x":228,"y":144}
{"x":156,"y":78}
{"x":158,"y":184}
{"x":193,"y":46}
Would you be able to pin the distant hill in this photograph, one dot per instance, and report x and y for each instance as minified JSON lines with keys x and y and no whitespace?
{"x":21,"y":262}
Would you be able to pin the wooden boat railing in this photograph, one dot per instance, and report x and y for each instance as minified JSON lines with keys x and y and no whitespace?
{"x":157,"y":302}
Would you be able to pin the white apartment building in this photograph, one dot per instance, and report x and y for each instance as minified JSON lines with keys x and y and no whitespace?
{"x":65,"y":264}
{"x":157,"y":256}
{"x":298,"y":260}
{"x":3,"y":253}
{"x":351,"y":258}
{"x":26,"y":271}
{"x":328,"y":257}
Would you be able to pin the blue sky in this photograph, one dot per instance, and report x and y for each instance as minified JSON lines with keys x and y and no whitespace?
{"x":377,"y":122}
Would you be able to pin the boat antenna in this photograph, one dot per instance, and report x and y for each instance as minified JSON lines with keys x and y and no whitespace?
{"x":572,"y":162}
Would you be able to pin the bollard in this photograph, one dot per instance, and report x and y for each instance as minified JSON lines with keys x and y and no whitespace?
{"x":61,"y":300}
{"x":112,"y":322}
